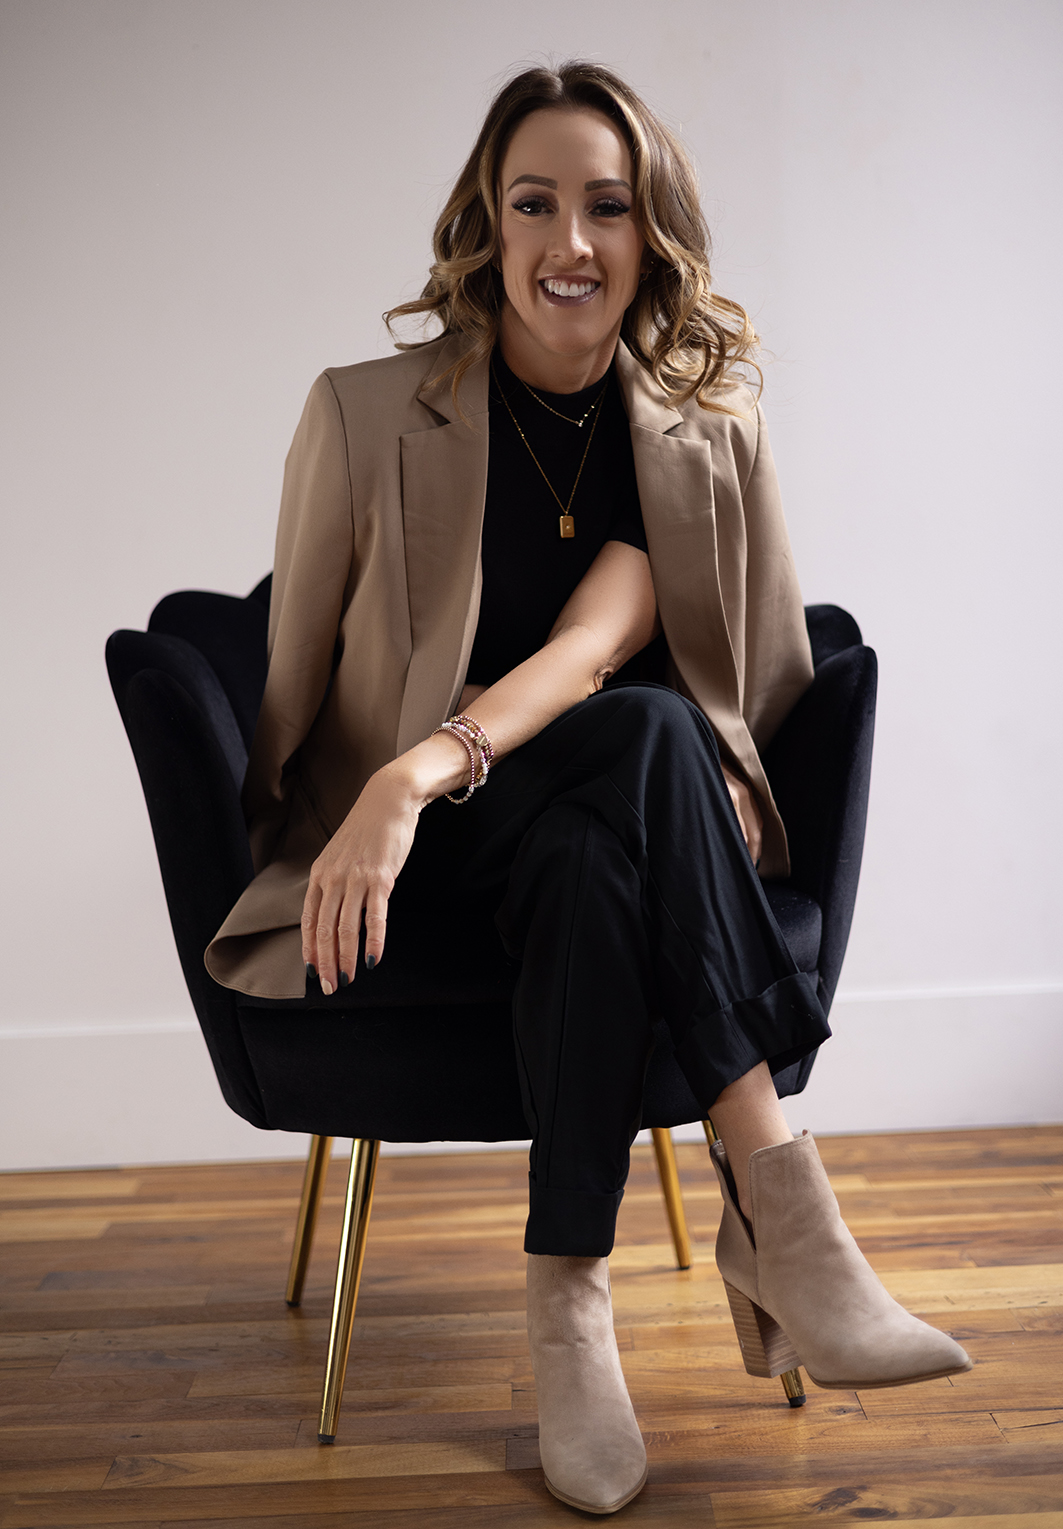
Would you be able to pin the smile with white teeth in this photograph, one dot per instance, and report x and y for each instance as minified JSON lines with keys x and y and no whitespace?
{"x":569,"y":288}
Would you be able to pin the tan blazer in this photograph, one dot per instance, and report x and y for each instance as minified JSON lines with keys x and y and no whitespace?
{"x":376,"y":586}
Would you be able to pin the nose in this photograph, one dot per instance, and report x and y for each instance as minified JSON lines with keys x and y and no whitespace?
{"x":570,"y":243}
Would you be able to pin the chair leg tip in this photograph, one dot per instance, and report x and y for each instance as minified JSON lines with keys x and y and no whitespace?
{"x":326,"y":1438}
{"x":797,"y":1401}
{"x":292,"y":1305}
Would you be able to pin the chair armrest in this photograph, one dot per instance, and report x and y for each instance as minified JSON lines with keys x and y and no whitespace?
{"x":819,"y":766}
{"x":184,"y":756}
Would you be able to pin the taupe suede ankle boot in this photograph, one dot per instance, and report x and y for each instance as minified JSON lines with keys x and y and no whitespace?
{"x":801,"y":1291}
{"x":591,"y":1448}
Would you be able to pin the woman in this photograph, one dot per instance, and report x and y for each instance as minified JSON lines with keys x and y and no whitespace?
{"x":493,"y":524}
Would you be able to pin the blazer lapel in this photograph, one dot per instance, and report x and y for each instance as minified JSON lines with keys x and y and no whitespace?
{"x":444,"y":485}
{"x":675,"y":482}
{"x":677,"y":489}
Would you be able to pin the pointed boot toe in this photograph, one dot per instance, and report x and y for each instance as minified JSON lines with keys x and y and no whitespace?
{"x":592,"y":1451}
{"x":800,"y":1290}
{"x":887,"y":1352}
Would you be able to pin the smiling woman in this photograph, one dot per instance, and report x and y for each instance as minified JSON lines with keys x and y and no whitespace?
{"x":430,"y":627}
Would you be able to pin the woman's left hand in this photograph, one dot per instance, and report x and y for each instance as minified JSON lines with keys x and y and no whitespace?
{"x":749,"y":816}
{"x":352,"y":879}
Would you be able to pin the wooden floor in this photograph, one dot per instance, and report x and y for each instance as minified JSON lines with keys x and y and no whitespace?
{"x":150,"y":1373}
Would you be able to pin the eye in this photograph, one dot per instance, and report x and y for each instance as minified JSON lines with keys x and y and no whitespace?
{"x":610,"y":207}
{"x":532,"y":206}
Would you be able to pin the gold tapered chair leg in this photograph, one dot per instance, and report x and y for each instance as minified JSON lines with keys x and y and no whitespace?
{"x":309,"y":1205}
{"x":364,"y":1154}
{"x":791,"y":1379}
{"x":673,"y":1195}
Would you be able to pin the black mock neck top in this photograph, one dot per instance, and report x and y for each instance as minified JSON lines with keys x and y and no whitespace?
{"x":529,"y":569}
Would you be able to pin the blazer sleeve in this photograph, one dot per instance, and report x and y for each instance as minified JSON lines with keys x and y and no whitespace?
{"x":311,"y":571}
{"x":778,"y":657}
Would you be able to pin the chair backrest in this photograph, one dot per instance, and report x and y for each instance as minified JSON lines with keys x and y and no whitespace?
{"x":231,"y":635}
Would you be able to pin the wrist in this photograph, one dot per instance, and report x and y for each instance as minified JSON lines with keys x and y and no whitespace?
{"x":425,"y":772}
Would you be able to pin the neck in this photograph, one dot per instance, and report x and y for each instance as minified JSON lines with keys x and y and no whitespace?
{"x":545,"y":369}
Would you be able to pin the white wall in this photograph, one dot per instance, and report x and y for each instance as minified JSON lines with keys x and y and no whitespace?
{"x":207,"y":201}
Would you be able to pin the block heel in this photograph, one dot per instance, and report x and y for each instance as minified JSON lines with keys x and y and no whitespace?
{"x":766,"y":1350}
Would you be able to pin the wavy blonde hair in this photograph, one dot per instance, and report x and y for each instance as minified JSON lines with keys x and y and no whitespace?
{"x":692,"y":341}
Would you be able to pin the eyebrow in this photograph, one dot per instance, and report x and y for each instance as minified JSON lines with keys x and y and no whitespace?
{"x":542,"y":180}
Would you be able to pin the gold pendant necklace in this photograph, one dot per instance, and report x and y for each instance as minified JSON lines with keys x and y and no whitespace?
{"x":566,"y":523}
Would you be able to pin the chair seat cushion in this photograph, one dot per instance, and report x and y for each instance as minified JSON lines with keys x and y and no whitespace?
{"x":425,"y":1073}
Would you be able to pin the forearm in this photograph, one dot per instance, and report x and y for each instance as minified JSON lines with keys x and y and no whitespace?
{"x":517,"y":707}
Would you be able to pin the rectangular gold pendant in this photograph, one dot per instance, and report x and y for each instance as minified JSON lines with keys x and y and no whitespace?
{"x":568,"y":525}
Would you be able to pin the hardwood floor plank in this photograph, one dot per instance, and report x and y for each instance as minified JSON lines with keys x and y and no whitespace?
{"x":311,"y":1463}
{"x":167,"y":1505}
{"x":401,"y":1374}
{"x":39,"y":1388}
{"x":76,"y":1475}
{"x":984,"y":1499}
{"x":33,"y":1226}
{"x":91,"y":1184}
{"x":420,"y":1399}
{"x":1040,"y":1426}
{"x":72,"y":1305}
{"x":677,"y":1435}
{"x":68,"y":1441}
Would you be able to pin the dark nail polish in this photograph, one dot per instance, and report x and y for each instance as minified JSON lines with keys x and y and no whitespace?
{"x":344,"y":979}
{"x":311,"y":971}
{"x":370,"y":962}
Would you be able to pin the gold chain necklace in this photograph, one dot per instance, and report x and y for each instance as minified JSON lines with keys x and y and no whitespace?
{"x":579,"y":423}
{"x":566,"y":524}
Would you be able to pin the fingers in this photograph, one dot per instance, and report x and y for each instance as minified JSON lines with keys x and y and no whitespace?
{"x":376,"y":925}
{"x":349,"y":927}
{"x":326,"y":931}
{"x":331,"y":925}
{"x":308,"y":924}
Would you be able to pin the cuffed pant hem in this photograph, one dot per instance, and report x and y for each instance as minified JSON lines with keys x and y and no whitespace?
{"x":571,"y":1222}
{"x":779,"y":1026}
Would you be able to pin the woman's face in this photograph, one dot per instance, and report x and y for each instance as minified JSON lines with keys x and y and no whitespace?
{"x":571,"y":247}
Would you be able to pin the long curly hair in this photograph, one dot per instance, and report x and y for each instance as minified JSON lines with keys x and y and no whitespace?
{"x":692,"y":341}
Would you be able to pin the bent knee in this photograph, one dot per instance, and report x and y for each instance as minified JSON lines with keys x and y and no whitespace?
{"x":658,"y":710}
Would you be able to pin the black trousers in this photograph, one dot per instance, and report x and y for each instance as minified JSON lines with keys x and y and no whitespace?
{"x":607,"y":857}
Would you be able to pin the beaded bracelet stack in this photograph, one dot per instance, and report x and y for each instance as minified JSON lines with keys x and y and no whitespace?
{"x":477,"y":746}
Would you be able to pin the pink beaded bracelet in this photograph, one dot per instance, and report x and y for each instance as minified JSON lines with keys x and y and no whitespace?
{"x":476,"y":743}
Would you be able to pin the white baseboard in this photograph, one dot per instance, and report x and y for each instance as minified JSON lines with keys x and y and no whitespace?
{"x":927,"y":1060}
{"x":90,"y":1096}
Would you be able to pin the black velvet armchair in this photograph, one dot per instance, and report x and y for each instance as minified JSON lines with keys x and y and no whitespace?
{"x":188,"y":691}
